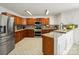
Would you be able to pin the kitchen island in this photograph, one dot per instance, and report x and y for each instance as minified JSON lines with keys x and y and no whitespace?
{"x":57,"y":42}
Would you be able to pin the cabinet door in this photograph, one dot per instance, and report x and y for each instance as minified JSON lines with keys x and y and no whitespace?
{"x":62,"y":44}
{"x":30,"y":21}
{"x":48,"y":45}
{"x":25,"y":33}
{"x":17,"y":37}
{"x":37,"y":19}
{"x":15,"y":19}
{"x":24,"y":22}
{"x":18,"y":20}
{"x":30,"y":33}
{"x":44,"y":21}
{"x":69,"y":37}
{"x":76,"y":35}
{"x":21,"y":34}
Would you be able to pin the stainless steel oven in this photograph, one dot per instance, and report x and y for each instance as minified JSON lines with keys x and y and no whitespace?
{"x":37,"y":29}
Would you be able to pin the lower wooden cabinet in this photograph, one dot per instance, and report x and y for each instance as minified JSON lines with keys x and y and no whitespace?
{"x":19,"y":35}
{"x":30,"y":32}
{"x":22,"y":34}
{"x":48,"y":45}
{"x":25,"y":33}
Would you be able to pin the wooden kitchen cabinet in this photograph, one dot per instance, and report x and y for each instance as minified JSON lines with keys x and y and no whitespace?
{"x":22,"y":34}
{"x":44,"y":21}
{"x":25,"y":33}
{"x":48,"y":45}
{"x":30,"y":32}
{"x":37,"y":20}
{"x":46,"y":31}
{"x":17,"y":37}
{"x":24,"y":21}
{"x":30,"y":21}
{"x":18,"y":20}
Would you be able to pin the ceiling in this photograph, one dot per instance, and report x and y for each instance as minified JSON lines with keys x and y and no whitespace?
{"x":39,"y":8}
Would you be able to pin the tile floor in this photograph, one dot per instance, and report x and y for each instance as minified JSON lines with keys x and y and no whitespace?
{"x":33,"y":46}
{"x":28,"y":46}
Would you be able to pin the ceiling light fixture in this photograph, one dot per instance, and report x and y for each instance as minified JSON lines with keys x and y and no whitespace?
{"x":28,"y":12}
{"x":47,"y":12}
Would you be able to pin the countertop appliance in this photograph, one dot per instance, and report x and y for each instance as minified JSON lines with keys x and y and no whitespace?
{"x":7,"y":41}
{"x":37,"y":29}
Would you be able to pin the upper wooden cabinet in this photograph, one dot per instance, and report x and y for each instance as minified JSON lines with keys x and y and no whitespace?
{"x":17,"y":36}
{"x":44,"y":21}
{"x":18,"y":20}
{"x":24,"y":21}
{"x":27,"y":21}
{"x":30,"y":21}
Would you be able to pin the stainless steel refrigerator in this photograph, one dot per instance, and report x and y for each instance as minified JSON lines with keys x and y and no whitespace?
{"x":7,"y":40}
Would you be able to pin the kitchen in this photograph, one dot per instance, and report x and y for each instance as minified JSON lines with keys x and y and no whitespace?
{"x":57,"y":33}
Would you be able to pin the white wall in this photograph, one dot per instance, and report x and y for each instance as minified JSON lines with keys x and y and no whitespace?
{"x":51,"y":22}
{"x":57,"y":19}
{"x":71,"y":16}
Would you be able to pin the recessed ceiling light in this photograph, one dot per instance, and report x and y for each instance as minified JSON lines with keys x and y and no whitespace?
{"x":28,"y":12}
{"x":47,"y":12}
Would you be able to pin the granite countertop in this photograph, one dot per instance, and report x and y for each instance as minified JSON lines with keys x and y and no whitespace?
{"x":19,"y":30}
{"x":32,"y":28}
{"x":23,"y":29}
{"x":46,"y":28}
{"x":61,"y":31}
{"x":50,"y":34}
